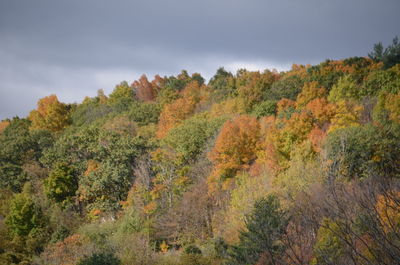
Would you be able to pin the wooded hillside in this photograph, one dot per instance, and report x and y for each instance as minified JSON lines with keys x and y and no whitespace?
{"x":296,"y":167}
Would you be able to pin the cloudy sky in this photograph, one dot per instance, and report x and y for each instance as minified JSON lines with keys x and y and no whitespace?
{"x":74,"y":47}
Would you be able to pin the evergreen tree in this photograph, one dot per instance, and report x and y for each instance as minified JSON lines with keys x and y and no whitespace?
{"x":265,"y":228}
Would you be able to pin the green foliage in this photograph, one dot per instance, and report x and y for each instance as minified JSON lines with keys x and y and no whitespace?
{"x":124,"y":176}
{"x":177,"y":83}
{"x":265,"y":108}
{"x":91,"y":143}
{"x":360,"y":152}
{"x":62,"y":183}
{"x":102,"y":187}
{"x":121,"y":97}
{"x":304,"y":169}
{"x":88,"y":112}
{"x":197,"y":77}
{"x":15,"y":140}
{"x":288,"y":87}
{"x":166,"y":96}
{"x":383,"y":80}
{"x":265,"y":227}
{"x":12,"y":176}
{"x":325,"y":74}
{"x":19,"y":145}
{"x":220,"y":247}
{"x":25,"y":216}
{"x":330,"y":247}
{"x":60,"y":234}
{"x":193,"y":259}
{"x":144,"y":113}
{"x":100,"y":259}
{"x":192,"y":249}
{"x":132,"y":222}
{"x":390,"y":56}
{"x":188,"y":138}
{"x":345,"y":89}
{"x":220,"y":81}
{"x":105,"y":187}
{"x":247,"y":191}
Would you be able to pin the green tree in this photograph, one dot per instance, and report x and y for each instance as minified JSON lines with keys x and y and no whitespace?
{"x":89,"y":112}
{"x":61,"y":183}
{"x":287,"y":87}
{"x":221,"y":80}
{"x":188,"y":138}
{"x":360,"y":152}
{"x":345,"y":89}
{"x":383,"y":81}
{"x":121,"y":97}
{"x":103,"y":188}
{"x":100,"y":259}
{"x":390,"y":56}
{"x":18,"y":146}
{"x":144,"y":113}
{"x":25,"y":215}
{"x":265,"y":227}
{"x":265,"y":108}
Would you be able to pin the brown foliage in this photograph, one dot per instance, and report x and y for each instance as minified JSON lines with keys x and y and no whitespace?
{"x":191,"y":218}
{"x":316,"y":137}
{"x":67,"y":252}
{"x":366,"y":216}
{"x":145,"y":90}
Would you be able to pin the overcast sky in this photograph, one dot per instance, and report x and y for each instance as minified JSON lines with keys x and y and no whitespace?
{"x":72,"y":48}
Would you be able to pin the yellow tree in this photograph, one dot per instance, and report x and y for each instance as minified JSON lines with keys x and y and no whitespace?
{"x":345,"y":89}
{"x":347,"y":114}
{"x":310,"y":91}
{"x":50,"y":115}
{"x":389,"y":211}
{"x":246,"y":193}
{"x":392,"y":105}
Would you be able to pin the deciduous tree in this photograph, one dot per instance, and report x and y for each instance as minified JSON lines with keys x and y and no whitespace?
{"x":50,"y":115}
{"x":236,"y":146}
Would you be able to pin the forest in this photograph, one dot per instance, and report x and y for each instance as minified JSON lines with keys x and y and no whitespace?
{"x":253,"y":167}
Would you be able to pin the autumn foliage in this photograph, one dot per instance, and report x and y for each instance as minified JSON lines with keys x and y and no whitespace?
{"x":254,"y":167}
{"x":50,"y":115}
{"x":3,"y":125}
{"x":182,"y":108}
{"x":145,"y":90}
{"x":235,"y":148}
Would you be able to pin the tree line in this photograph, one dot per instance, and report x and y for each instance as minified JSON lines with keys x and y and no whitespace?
{"x":253,"y":167}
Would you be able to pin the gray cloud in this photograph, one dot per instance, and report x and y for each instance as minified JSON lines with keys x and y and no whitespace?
{"x":72,"y":48}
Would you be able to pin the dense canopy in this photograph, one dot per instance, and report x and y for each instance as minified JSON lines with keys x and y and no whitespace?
{"x":254,"y":167}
